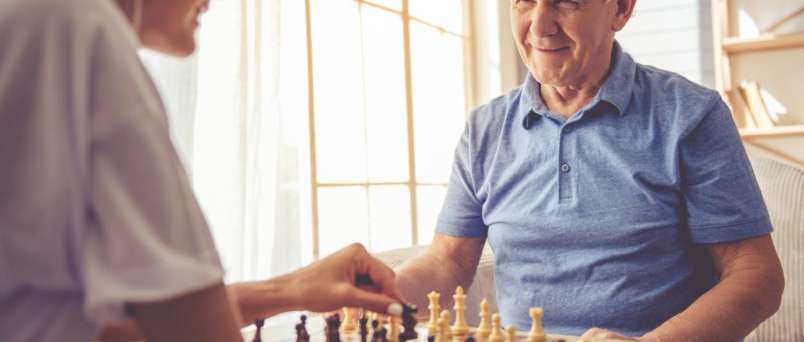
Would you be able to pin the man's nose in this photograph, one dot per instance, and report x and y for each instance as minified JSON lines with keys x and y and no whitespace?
{"x":543,"y":20}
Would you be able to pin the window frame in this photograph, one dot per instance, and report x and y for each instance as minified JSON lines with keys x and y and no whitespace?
{"x":470,"y":78}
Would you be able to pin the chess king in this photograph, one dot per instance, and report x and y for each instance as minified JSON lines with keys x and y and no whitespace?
{"x":616,"y":196}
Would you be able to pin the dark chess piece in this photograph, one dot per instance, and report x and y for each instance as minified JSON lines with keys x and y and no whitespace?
{"x":258,"y":334}
{"x":299,"y":337}
{"x":363,"y":328}
{"x":305,"y":336}
{"x":333,"y":325}
{"x":379,"y":332}
{"x":470,"y":338}
{"x":409,"y":323}
{"x":431,"y":338}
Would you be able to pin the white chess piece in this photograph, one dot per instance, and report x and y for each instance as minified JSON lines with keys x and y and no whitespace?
{"x":496,"y":331}
{"x":460,"y":329}
{"x":435,"y":310}
{"x":536,"y":333}
{"x":484,"y":329}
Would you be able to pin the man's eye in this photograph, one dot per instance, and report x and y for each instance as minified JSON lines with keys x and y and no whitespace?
{"x":524,"y":3}
{"x":567,"y":4}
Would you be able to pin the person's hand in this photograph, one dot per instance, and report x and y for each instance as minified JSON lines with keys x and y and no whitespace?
{"x":603,"y":333}
{"x":330,"y":283}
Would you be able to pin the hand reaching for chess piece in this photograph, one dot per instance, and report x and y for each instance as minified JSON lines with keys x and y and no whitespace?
{"x":350,"y":277}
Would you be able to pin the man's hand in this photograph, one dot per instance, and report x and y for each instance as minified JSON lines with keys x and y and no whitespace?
{"x":603,"y":333}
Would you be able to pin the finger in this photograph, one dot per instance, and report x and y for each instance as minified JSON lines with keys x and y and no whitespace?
{"x":370,"y":288}
{"x":381,"y":275}
{"x":376,"y":302}
{"x":592,"y":333}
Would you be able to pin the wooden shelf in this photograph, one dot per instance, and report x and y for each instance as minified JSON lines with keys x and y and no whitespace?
{"x":763,"y":43}
{"x":778,"y":131}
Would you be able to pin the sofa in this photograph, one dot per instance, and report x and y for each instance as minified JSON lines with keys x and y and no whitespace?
{"x":782,"y":186}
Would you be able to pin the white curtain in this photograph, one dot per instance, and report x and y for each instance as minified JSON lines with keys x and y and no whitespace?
{"x":238,"y":112}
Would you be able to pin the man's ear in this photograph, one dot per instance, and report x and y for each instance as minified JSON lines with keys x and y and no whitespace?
{"x":625,"y":9}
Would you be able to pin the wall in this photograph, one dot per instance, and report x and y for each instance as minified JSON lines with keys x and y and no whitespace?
{"x":674,"y":35}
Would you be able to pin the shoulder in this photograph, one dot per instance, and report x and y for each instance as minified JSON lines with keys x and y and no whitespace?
{"x":59,"y":21}
{"x":671,"y":84}
{"x":674,"y":99}
{"x":488,"y":120}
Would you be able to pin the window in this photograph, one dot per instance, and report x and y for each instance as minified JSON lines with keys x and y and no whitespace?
{"x":389,"y":89}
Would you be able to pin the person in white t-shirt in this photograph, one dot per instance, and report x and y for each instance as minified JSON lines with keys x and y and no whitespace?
{"x":100,"y":235}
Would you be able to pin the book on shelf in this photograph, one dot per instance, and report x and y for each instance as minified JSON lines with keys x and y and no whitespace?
{"x":739,"y":111}
{"x":752,"y":97}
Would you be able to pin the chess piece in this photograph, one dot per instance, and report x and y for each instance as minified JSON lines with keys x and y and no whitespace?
{"x":349,"y":323}
{"x":435,"y":309}
{"x":460,"y":329}
{"x":536,"y":333}
{"x":304,"y":334}
{"x":333,"y":328}
{"x":510,"y":333}
{"x":299,"y":337}
{"x":393,"y":332}
{"x":258,"y":334}
{"x":484,"y":329}
{"x":470,"y":338}
{"x":443,"y":327}
{"x":409,"y":323}
{"x":496,"y":332}
{"x":375,"y":329}
{"x":363,"y":328}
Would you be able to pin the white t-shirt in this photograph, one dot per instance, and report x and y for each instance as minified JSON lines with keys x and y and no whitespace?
{"x":95,"y":208}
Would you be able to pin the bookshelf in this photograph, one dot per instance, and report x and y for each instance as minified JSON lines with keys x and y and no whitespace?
{"x":784,"y":142}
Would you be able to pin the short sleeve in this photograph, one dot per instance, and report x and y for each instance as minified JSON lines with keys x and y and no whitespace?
{"x":461,"y":214}
{"x":146,"y":239}
{"x":722,"y":197}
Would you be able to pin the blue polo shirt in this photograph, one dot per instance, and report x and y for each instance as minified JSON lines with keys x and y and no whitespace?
{"x":602,"y":219}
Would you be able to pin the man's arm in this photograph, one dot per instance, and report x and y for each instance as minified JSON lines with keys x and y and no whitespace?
{"x":749,"y":292}
{"x":449,"y":262}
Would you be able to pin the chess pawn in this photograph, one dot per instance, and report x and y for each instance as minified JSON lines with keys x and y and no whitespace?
{"x":443,"y":328}
{"x":484,"y":329}
{"x":510,"y":333}
{"x":441,"y":336}
{"x":349,"y":323}
{"x":460,"y":329}
{"x":393,"y":332}
{"x":435,"y":309}
{"x":258,"y":335}
{"x":536,"y":333}
{"x":496,"y":331}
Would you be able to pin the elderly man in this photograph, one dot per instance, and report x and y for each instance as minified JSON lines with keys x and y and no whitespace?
{"x":614,"y":195}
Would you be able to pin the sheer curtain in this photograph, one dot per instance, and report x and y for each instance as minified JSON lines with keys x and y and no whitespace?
{"x":238,"y":112}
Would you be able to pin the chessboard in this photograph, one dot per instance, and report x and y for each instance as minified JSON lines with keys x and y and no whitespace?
{"x":316,"y":327}
{"x":355,"y":325}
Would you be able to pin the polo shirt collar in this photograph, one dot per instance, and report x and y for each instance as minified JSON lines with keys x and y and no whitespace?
{"x":616,"y":89}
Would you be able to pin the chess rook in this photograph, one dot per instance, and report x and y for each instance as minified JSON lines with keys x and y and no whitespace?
{"x":536,"y":333}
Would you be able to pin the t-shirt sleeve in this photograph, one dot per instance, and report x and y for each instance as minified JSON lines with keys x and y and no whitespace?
{"x":461,"y":213}
{"x":146,"y":239}
{"x":722,"y":197}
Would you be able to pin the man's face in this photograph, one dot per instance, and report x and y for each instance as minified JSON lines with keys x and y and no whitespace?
{"x":169,"y":25}
{"x":563,"y":42}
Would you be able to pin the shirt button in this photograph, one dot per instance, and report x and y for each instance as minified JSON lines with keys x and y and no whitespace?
{"x":567,"y":129}
{"x":565,"y":168}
